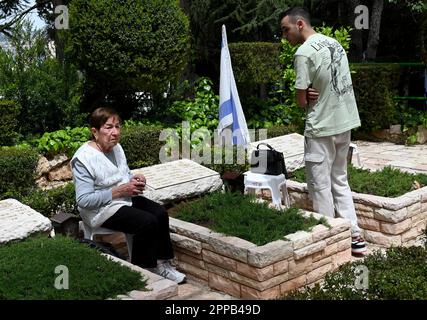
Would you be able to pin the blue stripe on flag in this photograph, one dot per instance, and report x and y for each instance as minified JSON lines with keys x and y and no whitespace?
{"x":237,"y":134}
{"x":226,"y":108}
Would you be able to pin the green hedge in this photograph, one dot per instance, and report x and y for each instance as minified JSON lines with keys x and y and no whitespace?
{"x":17,"y":171}
{"x":9,"y":112}
{"x":255,"y":62}
{"x":141,"y":145}
{"x":50,"y":202}
{"x":277,"y":131}
{"x":374,"y":87}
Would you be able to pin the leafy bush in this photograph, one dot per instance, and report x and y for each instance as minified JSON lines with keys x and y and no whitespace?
{"x":63,"y":141}
{"x":238,"y":215}
{"x":399,"y":274}
{"x":9,"y":112}
{"x":27,"y":271}
{"x":201,"y":111}
{"x":388,"y":182}
{"x":141,"y":145}
{"x":47,"y":91}
{"x":374,"y":87}
{"x":277,"y":131}
{"x":17,"y":170}
{"x":50,"y":202}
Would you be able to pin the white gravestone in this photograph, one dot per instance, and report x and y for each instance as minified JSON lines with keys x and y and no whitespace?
{"x":292,"y":147}
{"x":178,"y":180}
{"x":18,"y":221}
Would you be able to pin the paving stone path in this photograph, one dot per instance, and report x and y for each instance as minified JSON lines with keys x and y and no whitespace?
{"x":374,"y":156}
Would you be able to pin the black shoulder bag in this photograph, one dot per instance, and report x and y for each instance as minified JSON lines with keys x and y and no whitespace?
{"x":268,"y":161}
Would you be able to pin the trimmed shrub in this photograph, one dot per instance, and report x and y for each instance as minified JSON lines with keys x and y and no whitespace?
{"x":141,"y":145}
{"x":374,"y":87}
{"x":255,"y":62}
{"x":50,"y":202}
{"x":257,"y":69}
{"x":129,"y":44}
{"x":9,"y":112}
{"x":27,"y":271}
{"x":277,"y":131}
{"x":238,"y":215}
{"x":17,"y":170}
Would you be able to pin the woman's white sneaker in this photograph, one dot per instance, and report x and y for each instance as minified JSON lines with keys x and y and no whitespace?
{"x":167,"y":271}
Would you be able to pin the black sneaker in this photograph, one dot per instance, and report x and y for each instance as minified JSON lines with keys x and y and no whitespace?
{"x":358,"y":246}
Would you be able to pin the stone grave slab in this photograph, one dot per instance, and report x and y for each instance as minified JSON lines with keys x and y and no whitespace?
{"x":178,"y":180}
{"x":18,"y":221}
{"x":292,"y":147}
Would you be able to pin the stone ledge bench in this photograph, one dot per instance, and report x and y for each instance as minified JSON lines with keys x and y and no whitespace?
{"x":18,"y":221}
{"x":177,"y":180}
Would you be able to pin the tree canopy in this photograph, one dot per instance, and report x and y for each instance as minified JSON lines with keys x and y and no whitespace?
{"x":13,"y":11}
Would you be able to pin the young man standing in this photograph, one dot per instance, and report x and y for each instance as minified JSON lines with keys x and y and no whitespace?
{"x":322,"y":69}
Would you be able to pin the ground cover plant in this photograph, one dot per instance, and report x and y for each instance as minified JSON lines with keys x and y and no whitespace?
{"x":27,"y":271}
{"x":398,"y":274}
{"x":238,"y":215}
{"x":388,"y":182}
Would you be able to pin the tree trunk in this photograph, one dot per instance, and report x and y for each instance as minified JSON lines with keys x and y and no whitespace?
{"x":423,"y":39}
{"x":59,"y":43}
{"x":374,"y":29}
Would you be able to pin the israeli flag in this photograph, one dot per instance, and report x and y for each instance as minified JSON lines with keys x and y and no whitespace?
{"x":230,"y":110}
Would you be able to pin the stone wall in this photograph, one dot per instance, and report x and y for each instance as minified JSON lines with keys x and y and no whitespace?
{"x":247,"y":271}
{"x":395,"y":134}
{"x":384,"y":221}
{"x":53,"y":173}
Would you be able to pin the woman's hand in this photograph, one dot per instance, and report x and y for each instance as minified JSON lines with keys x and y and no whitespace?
{"x":134,"y":187}
{"x":139,"y":180}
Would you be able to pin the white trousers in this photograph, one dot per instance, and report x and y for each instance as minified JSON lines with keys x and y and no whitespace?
{"x":326,"y":170}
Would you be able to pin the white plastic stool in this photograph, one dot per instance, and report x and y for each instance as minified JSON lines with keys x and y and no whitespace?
{"x":355,"y":152}
{"x":89,"y":233}
{"x":275,"y":184}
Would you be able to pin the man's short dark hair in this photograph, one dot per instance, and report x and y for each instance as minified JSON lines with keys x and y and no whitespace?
{"x":296,"y":13}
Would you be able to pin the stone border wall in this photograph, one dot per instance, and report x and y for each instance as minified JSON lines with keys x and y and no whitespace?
{"x":54,"y":173}
{"x":384,"y":221}
{"x":247,"y":271}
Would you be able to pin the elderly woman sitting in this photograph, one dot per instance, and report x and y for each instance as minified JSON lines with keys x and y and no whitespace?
{"x":109,"y":196}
